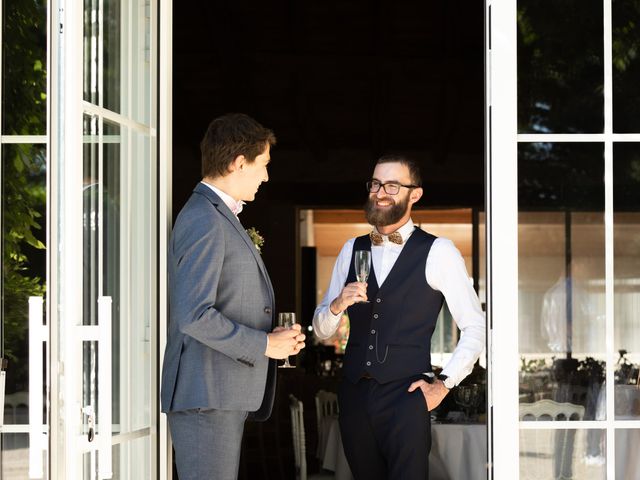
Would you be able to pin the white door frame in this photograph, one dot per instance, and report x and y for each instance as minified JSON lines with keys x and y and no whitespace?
{"x":165,"y":139}
{"x":65,"y":304}
{"x":502,"y":236}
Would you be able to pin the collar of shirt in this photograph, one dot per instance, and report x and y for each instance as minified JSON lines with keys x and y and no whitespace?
{"x":229,"y":201}
{"x":405,"y":232}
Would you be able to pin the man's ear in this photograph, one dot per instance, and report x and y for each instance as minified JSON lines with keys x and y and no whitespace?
{"x":415,"y":195}
{"x":238,"y":164}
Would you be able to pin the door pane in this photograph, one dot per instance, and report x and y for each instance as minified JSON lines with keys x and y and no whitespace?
{"x":15,"y":456}
{"x":24,"y":265}
{"x":24,"y":63}
{"x":23,"y":275}
{"x":627,"y":458}
{"x":561,"y":274}
{"x":556,"y":454}
{"x":131,"y":459}
{"x":626,"y":65}
{"x":626,"y":171}
{"x":560,"y":66}
{"x":120,"y":262}
{"x":111,"y":47}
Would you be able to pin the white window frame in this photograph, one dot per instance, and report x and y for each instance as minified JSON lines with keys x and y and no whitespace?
{"x":165,"y":146}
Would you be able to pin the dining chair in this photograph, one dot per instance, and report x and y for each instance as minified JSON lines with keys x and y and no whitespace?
{"x":550,"y":410}
{"x":299,"y":444}
{"x":546,"y":453}
{"x":326,"y":406}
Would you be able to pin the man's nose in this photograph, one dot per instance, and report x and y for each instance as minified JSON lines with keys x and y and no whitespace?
{"x":381,"y":193}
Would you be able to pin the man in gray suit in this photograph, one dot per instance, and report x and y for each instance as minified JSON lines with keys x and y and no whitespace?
{"x":219,"y":366}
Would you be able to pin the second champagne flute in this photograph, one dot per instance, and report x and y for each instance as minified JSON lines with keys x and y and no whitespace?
{"x":286,"y":320}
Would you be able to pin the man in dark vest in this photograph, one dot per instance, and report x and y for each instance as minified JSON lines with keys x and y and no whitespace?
{"x":385,"y":397}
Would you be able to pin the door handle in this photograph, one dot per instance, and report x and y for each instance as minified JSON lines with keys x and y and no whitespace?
{"x":91,"y":421}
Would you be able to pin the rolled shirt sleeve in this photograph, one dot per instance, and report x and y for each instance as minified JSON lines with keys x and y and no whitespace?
{"x":446,"y":272}
{"x":326,"y":323}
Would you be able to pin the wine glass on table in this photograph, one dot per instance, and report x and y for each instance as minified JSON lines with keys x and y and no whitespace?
{"x":286,"y":320}
{"x":362,"y":265}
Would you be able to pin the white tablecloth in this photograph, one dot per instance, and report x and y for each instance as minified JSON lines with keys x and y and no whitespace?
{"x":458,"y":452}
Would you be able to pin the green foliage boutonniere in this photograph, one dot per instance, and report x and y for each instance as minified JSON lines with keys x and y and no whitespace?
{"x":256,"y":238}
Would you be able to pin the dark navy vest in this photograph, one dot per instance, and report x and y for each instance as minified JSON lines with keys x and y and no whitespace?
{"x":390,"y":337}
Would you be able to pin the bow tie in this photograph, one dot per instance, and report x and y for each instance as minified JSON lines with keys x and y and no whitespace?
{"x":378,"y":239}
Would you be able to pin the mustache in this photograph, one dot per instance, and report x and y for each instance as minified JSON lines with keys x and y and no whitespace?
{"x":379,"y":216}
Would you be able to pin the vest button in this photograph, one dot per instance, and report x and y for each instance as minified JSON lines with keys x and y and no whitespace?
{"x":375,"y":315}
{"x":370,"y":347}
{"x":368,"y":364}
{"x":373,"y":332}
{"x":267,"y":310}
{"x":378,"y":300}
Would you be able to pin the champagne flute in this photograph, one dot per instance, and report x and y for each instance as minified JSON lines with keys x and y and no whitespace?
{"x":362,"y":264}
{"x":286,"y":320}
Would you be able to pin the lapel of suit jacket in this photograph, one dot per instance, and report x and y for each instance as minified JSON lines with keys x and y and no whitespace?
{"x":228,"y":214}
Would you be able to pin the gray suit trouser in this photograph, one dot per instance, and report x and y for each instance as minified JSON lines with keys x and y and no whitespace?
{"x":207,"y":443}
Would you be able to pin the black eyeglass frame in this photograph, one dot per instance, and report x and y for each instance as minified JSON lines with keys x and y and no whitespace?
{"x":371,"y":183}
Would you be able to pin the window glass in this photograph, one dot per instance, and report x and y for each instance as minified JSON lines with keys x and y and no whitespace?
{"x":626,"y":65}
{"x":560,"y":66}
{"x":24,"y":64}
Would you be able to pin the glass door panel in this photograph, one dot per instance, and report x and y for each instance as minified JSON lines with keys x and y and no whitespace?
{"x":120,"y":233}
{"x":560,"y":66}
{"x":554,"y":454}
{"x":23,"y":276}
{"x":625,"y":18}
{"x":626,"y":174}
{"x":120,"y":258}
{"x":24,"y":67}
{"x":562,"y":301}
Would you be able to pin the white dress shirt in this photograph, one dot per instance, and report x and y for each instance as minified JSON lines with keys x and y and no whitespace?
{"x":234,"y":205}
{"x":445,"y":271}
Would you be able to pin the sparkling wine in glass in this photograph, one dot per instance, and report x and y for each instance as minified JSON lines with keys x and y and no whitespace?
{"x":286,"y":320}
{"x":362,"y":264}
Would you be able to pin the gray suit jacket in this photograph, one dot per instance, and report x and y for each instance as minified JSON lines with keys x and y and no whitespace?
{"x":221,"y":306}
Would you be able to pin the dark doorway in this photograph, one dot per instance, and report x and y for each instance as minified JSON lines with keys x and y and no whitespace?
{"x":340,"y":82}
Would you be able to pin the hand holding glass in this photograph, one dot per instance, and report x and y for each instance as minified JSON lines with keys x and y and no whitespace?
{"x":362,"y":265}
{"x":286,"y":320}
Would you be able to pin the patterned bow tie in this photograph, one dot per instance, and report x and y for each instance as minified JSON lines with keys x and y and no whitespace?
{"x":378,"y":239}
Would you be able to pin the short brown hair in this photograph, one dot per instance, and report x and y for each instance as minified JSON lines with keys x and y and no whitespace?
{"x":231,"y":135}
{"x":411,"y":164}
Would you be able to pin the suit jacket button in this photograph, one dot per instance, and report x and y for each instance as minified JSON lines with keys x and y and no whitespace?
{"x":267,"y":310}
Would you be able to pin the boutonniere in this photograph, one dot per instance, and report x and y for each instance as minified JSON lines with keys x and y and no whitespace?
{"x":256,"y":238}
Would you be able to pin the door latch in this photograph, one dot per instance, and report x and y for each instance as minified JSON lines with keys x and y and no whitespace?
{"x":91,"y":422}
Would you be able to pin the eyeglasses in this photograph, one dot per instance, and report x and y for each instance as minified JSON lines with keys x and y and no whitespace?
{"x":390,"y":188}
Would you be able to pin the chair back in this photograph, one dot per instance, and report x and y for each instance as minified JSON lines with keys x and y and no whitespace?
{"x":326,"y":406}
{"x":299,"y":444}
{"x":549,"y":410}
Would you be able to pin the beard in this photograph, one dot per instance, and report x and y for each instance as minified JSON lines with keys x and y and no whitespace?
{"x":379,"y":217}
